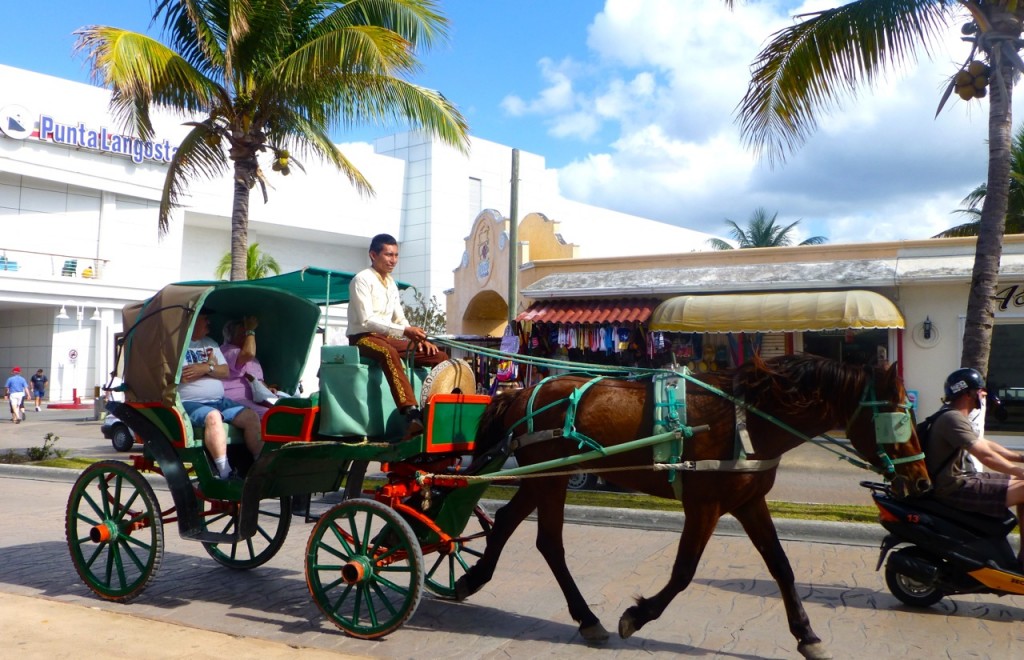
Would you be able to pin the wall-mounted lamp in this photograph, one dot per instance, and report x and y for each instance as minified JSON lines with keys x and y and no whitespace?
{"x":63,"y":315}
{"x":926,"y":327}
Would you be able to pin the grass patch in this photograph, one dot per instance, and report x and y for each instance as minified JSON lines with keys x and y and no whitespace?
{"x":822,"y":512}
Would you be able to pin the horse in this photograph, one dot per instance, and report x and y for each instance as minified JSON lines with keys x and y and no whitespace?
{"x":809,"y":394}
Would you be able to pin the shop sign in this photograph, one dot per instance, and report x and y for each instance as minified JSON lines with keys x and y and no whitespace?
{"x":15,"y":123}
{"x":1010,"y":298}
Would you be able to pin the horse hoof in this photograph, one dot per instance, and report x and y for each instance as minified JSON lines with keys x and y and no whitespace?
{"x":814,"y":651}
{"x":626,"y":626}
{"x":594,"y":634}
{"x":462,"y":590}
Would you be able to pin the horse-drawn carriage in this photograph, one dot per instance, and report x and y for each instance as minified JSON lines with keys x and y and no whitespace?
{"x":369,"y":557}
{"x":365,"y":563}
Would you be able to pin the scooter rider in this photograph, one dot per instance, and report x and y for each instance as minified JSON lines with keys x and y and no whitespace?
{"x":957,"y":482}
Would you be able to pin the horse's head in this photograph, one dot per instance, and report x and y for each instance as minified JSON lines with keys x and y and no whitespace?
{"x":882,"y":430}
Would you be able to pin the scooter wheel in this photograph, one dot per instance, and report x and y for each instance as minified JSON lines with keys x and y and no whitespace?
{"x":908,"y":590}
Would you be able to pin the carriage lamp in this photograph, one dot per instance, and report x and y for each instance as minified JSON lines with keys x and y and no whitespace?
{"x":927,"y":327}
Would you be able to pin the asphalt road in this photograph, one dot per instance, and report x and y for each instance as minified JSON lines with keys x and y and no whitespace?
{"x":196,"y":608}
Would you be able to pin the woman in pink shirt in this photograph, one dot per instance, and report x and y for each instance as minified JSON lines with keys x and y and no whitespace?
{"x":239,"y":349}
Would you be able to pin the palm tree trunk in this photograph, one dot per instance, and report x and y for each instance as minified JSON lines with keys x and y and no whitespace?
{"x":239,"y":224}
{"x":981,"y":303}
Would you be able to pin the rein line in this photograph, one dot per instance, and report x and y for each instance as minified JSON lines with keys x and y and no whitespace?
{"x":636,"y":373}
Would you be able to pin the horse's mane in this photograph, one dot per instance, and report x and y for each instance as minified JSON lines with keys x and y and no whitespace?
{"x":793,"y":384}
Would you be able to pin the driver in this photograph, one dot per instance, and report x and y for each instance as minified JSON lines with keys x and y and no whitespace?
{"x":378,"y":327}
{"x":952,"y":441}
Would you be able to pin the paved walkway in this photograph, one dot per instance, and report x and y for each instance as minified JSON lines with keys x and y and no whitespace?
{"x":196,"y":608}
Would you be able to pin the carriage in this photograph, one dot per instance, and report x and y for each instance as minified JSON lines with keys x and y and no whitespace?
{"x":714,"y":447}
{"x":365,"y":558}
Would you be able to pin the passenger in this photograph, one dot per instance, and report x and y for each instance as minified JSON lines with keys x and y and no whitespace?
{"x":378,"y":327}
{"x":202,"y":395}
{"x":239,"y":349}
{"x":951,"y":443}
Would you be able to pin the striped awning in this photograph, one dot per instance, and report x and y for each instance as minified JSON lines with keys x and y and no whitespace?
{"x":625,"y":310}
{"x":777,"y":312}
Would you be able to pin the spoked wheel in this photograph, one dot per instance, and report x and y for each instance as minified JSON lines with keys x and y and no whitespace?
{"x":114,"y":530}
{"x":445,"y":568}
{"x":364,"y":568}
{"x":908,"y":590}
{"x":272,"y":526}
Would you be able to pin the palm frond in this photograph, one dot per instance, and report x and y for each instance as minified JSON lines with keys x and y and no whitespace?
{"x":811,"y":66}
{"x":194,"y":158}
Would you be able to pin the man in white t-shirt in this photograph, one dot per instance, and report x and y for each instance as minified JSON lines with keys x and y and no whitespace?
{"x":202,"y":394}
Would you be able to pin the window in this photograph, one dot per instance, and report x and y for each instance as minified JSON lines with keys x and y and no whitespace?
{"x":1006,"y":377}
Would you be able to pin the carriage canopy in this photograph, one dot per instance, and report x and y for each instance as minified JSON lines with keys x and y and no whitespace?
{"x":157,"y":331}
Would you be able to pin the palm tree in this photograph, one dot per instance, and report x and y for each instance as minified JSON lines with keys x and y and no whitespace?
{"x":762,"y":231}
{"x":268,"y":78}
{"x":1015,"y":205}
{"x":824,"y":56}
{"x":257,"y":264}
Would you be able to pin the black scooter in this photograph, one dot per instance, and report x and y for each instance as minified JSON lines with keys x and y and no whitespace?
{"x":943,"y":551}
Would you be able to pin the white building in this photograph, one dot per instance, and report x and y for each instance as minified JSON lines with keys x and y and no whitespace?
{"x":78,"y":199}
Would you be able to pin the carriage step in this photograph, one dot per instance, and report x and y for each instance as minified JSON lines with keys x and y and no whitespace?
{"x":209,"y":537}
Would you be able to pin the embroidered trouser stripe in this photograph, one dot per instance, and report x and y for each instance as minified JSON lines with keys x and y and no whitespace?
{"x":387,"y":353}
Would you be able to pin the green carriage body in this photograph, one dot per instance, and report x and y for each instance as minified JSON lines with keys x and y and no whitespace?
{"x":316,"y":444}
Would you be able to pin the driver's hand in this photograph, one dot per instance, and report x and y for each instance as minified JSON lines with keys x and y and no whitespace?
{"x":427,"y":347}
{"x":412,"y":333}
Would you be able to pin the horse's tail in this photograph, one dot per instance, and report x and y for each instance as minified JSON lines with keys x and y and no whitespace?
{"x":492,"y":427}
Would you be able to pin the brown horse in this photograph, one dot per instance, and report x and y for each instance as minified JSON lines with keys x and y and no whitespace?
{"x":810,"y":394}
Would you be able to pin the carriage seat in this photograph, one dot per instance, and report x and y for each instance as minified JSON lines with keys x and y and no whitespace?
{"x":355,"y":399}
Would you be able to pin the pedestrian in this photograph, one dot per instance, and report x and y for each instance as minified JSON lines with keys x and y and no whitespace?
{"x":17,"y":390}
{"x":39,"y":381}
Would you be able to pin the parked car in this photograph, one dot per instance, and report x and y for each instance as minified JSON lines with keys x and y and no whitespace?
{"x":118,"y":433}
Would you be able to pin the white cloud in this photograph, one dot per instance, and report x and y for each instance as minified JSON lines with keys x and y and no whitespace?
{"x":660,"y":88}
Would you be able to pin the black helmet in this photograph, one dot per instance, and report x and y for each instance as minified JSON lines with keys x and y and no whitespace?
{"x":962,"y":380}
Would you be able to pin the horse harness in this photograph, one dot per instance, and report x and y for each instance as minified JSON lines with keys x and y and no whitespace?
{"x":891,"y":428}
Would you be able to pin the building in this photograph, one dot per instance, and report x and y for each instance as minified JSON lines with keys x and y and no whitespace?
{"x":78,"y":220}
{"x":911,"y":312}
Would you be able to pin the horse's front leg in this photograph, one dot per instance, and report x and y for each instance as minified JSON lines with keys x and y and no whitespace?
{"x":697,"y":530}
{"x":550,"y":526}
{"x":757,"y":523}
{"x":506,"y":520}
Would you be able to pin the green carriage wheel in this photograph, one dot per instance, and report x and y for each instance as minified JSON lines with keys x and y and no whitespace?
{"x":272,"y":526}
{"x":364,"y":568}
{"x":445,"y":569}
{"x":114,"y":530}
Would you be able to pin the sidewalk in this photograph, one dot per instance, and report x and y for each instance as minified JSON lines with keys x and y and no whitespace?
{"x":45,"y":629}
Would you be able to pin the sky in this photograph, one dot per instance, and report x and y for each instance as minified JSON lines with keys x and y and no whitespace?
{"x":633,"y":103}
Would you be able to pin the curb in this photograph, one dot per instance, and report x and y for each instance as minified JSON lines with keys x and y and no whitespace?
{"x":789,"y":529}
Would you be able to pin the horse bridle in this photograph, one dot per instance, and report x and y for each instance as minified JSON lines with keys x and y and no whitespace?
{"x":891,"y":428}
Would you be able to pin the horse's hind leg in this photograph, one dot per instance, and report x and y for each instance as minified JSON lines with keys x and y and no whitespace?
{"x":697,"y":529}
{"x":757,"y":523}
{"x":550,"y":526}
{"x":506,"y":520}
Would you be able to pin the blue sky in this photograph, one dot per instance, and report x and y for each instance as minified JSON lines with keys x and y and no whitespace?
{"x":632,"y":102}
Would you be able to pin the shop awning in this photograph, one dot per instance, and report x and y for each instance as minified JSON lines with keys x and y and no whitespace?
{"x":623,"y":310}
{"x":777,"y":312}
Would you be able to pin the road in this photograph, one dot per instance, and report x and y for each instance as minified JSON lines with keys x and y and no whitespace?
{"x":731,"y":609}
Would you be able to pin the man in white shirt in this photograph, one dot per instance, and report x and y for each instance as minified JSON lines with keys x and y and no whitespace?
{"x":377,"y":325}
{"x":202,"y":395}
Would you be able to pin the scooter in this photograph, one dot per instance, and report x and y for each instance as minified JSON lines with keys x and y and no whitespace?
{"x":941,"y":551}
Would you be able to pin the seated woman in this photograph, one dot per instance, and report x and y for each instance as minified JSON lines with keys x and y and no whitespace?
{"x":239,"y":349}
